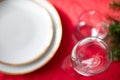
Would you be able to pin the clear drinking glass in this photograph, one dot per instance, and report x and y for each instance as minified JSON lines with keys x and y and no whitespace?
{"x":91,"y":23}
{"x":90,"y":56}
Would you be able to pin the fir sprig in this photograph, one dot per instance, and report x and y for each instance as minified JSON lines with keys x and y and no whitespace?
{"x":114,"y":32}
{"x":115,"y":4}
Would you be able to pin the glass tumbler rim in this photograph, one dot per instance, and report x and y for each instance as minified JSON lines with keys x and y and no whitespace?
{"x":74,"y":56}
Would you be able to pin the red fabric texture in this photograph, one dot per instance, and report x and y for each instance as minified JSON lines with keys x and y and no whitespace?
{"x":69,"y":11}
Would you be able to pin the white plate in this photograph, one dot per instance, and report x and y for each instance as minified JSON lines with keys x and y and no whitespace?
{"x":26,"y":31}
{"x":50,"y":52}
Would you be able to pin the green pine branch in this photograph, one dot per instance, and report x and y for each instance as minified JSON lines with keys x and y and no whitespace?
{"x":114,"y":32}
{"x":115,"y":4}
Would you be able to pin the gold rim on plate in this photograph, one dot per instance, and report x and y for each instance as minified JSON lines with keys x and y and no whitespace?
{"x":50,"y":52}
{"x":44,"y":50}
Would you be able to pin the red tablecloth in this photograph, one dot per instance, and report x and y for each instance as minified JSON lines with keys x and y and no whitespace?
{"x":69,"y":11}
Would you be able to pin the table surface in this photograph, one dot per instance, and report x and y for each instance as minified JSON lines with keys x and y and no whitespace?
{"x":69,"y":11}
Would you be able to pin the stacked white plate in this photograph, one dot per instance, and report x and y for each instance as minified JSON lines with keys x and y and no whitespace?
{"x":30,"y":34}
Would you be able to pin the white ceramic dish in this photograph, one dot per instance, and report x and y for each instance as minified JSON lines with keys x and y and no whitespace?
{"x":50,"y":52}
{"x":26,"y":31}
